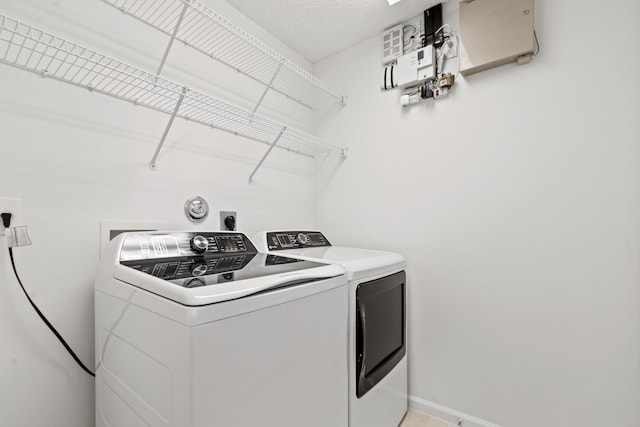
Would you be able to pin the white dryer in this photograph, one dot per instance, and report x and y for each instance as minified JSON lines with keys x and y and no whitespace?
{"x":198,"y":329}
{"x":378,"y":392}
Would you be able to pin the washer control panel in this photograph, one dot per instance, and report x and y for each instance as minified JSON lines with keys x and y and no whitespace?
{"x":279,"y":240}
{"x":185,"y":255}
{"x":158,"y":245}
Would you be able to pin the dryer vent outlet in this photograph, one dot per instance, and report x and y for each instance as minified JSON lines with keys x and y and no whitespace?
{"x":228,"y":221}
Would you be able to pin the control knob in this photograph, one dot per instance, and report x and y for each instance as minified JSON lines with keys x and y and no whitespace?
{"x":303,"y":239}
{"x":199,"y":269}
{"x":199,"y":244}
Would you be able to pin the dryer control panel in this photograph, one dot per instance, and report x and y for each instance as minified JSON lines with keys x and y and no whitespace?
{"x":279,"y":240}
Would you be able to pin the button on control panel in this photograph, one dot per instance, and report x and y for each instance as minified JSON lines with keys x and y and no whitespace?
{"x":233,"y":243}
{"x":279,"y":240}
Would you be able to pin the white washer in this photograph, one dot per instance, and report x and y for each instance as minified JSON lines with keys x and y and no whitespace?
{"x":199,"y":329}
{"x":378,"y":392}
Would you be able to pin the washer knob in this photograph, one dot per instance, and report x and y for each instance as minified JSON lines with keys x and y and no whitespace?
{"x":199,"y":269}
{"x":303,"y":238}
{"x":199,"y":244}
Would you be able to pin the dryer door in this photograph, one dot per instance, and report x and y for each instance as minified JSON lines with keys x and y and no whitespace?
{"x":380,"y":329}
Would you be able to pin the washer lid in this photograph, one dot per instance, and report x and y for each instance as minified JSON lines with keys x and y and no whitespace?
{"x":211,"y":280}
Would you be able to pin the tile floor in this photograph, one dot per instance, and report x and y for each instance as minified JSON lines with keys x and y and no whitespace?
{"x":418,"y":419}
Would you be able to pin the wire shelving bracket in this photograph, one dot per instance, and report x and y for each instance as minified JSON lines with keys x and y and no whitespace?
{"x":206,"y":31}
{"x":31,"y":49}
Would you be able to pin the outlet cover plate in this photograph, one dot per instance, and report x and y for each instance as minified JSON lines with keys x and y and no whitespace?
{"x":452,"y":51}
{"x":223,"y":215}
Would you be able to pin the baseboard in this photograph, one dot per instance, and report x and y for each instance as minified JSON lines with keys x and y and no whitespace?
{"x":447,"y":414}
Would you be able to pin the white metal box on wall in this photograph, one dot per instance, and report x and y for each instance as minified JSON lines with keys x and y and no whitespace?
{"x":494,"y":33}
{"x":416,"y":67}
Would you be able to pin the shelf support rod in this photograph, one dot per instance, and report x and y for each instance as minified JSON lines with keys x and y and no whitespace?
{"x":266,"y":89}
{"x":173,"y":37}
{"x":166,"y":130}
{"x":273,"y":144}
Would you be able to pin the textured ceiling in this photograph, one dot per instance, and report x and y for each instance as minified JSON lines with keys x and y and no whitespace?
{"x":319,"y":28}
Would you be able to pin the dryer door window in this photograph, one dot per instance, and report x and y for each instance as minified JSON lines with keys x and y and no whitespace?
{"x":380,"y":329}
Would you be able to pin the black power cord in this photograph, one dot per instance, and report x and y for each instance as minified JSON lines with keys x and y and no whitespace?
{"x":6,"y":219}
{"x":42,"y":316}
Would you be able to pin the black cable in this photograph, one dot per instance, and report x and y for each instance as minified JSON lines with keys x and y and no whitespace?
{"x":385,"y":78}
{"x":537,"y":43}
{"x":44,"y":319}
{"x":392,"y":76}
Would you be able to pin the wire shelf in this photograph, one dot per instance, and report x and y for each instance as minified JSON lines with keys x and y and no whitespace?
{"x":206,"y":31}
{"x":37,"y":51}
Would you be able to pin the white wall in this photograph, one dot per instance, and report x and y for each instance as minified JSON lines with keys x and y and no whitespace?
{"x":76,"y":158}
{"x":516,"y":201}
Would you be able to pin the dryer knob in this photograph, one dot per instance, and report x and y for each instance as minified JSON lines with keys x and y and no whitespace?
{"x":303,"y":239}
{"x":199,"y":244}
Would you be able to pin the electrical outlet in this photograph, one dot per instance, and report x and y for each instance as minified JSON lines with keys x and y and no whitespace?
{"x":440,"y":92}
{"x":451,"y":49}
{"x":15,"y":207}
{"x":224,"y":223}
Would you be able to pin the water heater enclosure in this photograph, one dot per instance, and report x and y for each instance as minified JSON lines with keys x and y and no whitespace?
{"x":494,"y":33}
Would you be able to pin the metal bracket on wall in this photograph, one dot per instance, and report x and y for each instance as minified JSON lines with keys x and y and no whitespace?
{"x":153,"y":165}
{"x":273,"y":144}
{"x":172,"y":39}
{"x":267,"y":88}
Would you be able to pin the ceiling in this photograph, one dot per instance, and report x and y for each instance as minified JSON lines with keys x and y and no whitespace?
{"x":319,"y":28}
